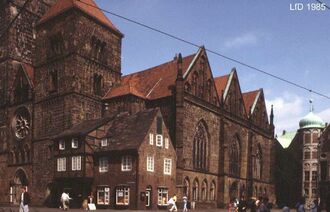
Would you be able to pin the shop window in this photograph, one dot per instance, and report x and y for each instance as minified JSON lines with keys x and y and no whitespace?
{"x":122,"y":196}
{"x":103,"y":196}
{"x":162,"y":196}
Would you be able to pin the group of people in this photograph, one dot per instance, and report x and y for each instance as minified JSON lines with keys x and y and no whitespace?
{"x":254,"y":205}
{"x":300,"y":206}
{"x":172,"y":203}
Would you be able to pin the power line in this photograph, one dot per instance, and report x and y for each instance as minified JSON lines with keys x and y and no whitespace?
{"x":209,"y":50}
{"x":12,"y":21}
{"x":326,"y":6}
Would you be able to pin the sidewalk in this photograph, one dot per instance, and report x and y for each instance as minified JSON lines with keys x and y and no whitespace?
{"x":39,"y":209}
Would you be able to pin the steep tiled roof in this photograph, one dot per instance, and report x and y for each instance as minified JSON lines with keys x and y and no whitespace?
{"x":249,"y":99}
{"x":153,"y":83}
{"x":128,"y":132}
{"x":83,"y":128}
{"x":221,"y":83}
{"x":87,"y":6}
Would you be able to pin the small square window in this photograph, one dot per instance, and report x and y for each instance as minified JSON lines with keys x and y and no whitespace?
{"x":103,"y":164}
{"x":104,"y":142}
{"x":159,"y":140}
{"x":74,"y":143}
{"x":126,"y":163}
{"x":61,"y":145}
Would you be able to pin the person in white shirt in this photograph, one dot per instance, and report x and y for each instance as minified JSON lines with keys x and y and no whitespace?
{"x":25,"y":200}
{"x":65,"y":199}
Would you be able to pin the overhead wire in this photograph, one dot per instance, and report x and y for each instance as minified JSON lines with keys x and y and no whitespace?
{"x":209,"y":50}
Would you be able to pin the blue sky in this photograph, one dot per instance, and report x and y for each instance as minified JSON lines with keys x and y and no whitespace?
{"x":264,"y":33}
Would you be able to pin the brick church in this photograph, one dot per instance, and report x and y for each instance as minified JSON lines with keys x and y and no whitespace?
{"x":71,"y":121}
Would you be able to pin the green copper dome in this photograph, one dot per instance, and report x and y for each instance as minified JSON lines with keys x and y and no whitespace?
{"x":311,"y":121}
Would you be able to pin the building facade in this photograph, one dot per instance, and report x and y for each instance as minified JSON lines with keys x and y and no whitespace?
{"x":298,"y":164}
{"x":63,"y":69}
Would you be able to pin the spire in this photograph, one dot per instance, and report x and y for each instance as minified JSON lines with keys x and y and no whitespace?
{"x":272,"y":116}
{"x":311,"y":109}
{"x":179,"y":66}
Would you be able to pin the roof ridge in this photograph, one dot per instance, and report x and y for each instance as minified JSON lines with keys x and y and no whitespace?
{"x":151,"y":68}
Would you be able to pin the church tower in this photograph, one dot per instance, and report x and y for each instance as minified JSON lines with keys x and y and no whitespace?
{"x":311,"y":127}
{"x":78,"y":61}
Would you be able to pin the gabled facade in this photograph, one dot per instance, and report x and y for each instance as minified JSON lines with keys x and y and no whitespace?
{"x":61,"y":87}
{"x":126,"y":161}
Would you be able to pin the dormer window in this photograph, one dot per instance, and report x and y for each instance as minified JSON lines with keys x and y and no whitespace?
{"x":74,"y":143}
{"x":61,"y":145}
{"x":104,"y":142}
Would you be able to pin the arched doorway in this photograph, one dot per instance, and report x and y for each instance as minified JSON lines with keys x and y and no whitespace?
{"x":20,"y":179}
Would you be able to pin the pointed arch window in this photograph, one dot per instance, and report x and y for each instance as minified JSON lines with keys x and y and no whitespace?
{"x":195,"y":190}
{"x":97,"y":84}
{"x":186,"y":184}
{"x":257,"y":162}
{"x":200,"y":149}
{"x":195,"y":83}
{"x":21,"y":91}
{"x":212,"y":191}
{"x":53,"y":80}
{"x":234,"y":155}
{"x":204,"y":190}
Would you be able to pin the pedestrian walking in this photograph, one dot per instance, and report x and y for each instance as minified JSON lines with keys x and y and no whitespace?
{"x":172,"y":203}
{"x":185,"y":203}
{"x":300,"y":206}
{"x":25,"y":200}
{"x":65,"y":199}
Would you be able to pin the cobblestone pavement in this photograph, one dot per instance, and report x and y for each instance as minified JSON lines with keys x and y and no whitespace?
{"x":37,"y":209}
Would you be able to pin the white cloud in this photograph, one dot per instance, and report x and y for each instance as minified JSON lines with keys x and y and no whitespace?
{"x":288,"y":110}
{"x":325,"y":115}
{"x":242,"y":40}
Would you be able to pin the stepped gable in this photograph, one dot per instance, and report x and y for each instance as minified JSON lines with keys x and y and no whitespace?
{"x":88,"y":7}
{"x":221,"y":83}
{"x":153,"y":83}
{"x":249,"y":98}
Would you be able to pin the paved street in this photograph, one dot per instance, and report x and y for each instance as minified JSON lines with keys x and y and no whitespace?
{"x":38,"y":209}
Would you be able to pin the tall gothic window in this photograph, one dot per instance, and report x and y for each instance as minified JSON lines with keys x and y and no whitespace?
{"x":195,"y":191}
{"x":195,"y":83}
{"x":53,"y":81}
{"x":186,"y":187}
{"x":209,"y":91}
{"x":97,"y":48}
{"x":97,"y":84}
{"x":234,"y":155}
{"x":204,"y":190}
{"x":21,"y":88}
{"x":257,"y":163}
{"x":200,"y":149}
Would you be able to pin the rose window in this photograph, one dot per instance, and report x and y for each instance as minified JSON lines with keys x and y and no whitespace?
{"x":21,"y":124}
